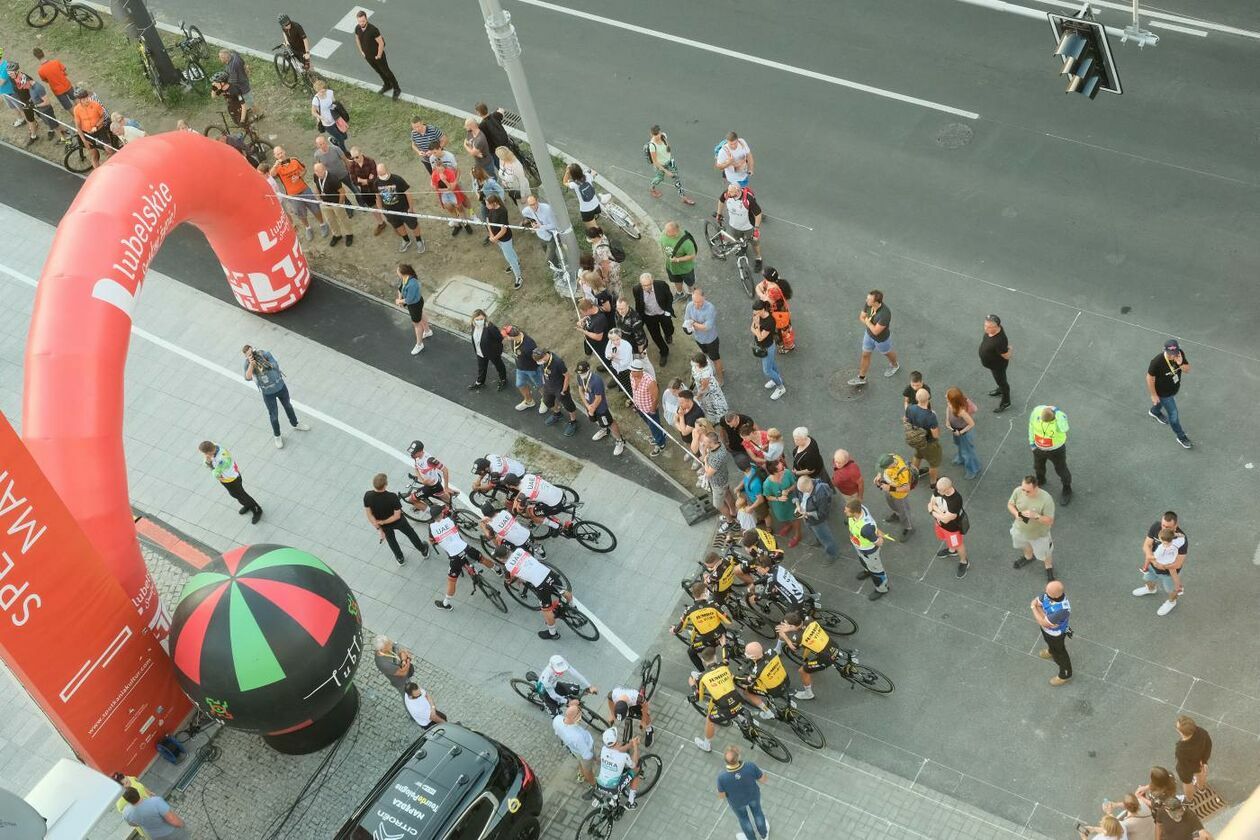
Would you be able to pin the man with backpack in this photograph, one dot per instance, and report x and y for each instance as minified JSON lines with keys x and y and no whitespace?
{"x":897,"y":480}
{"x":661,"y":156}
{"x":679,"y":247}
{"x":743,"y":217}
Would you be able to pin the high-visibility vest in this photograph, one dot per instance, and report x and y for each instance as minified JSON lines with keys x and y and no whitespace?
{"x":856,"y":524}
{"x":1046,"y":435}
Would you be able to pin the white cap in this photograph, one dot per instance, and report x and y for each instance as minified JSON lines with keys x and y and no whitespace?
{"x":558,"y":664}
{"x":610,"y":736}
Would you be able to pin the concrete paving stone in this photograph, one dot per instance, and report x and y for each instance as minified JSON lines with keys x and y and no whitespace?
{"x":1207,"y":700}
{"x":1149,"y":679}
{"x":965,"y":614}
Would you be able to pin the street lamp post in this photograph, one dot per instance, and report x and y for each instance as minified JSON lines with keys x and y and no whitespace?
{"x":507,"y":51}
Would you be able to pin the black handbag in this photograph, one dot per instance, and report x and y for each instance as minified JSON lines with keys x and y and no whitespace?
{"x":759,"y":351}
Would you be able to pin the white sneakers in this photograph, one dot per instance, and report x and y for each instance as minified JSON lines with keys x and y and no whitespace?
{"x":428,"y":333}
{"x":302,"y":427}
{"x":892,"y":371}
{"x":619,"y":447}
{"x":769,"y":384}
{"x":415,"y":351}
{"x":1164,"y":608}
{"x":542,"y":407}
{"x":524,"y":404}
{"x":778,"y":392}
{"x":806,"y":693}
{"x":600,"y":434}
{"x":1142,"y":590}
{"x":766,"y":714}
{"x":279,"y":442}
{"x":702,"y":743}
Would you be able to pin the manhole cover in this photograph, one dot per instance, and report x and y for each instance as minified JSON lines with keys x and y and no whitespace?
{"x":839,"y":385}
{"x":954,"y":136}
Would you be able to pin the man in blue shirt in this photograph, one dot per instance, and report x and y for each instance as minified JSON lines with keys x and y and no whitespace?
{"x":1051,"y":611}
{"x":740,"y":786}
{"x":153,"y":816}
{"x":700,"y":319}
{"x":263,"y":370}
{"x":595,"y":399}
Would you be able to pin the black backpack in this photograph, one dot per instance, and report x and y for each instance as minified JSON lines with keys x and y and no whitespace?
{"x":339,"y":111}
{"x":615,"y":251}
{"x":586,"y":191}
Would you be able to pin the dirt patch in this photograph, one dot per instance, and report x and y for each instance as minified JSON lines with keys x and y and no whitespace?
{"x":556,"y":466}
{"x":108,"y":64}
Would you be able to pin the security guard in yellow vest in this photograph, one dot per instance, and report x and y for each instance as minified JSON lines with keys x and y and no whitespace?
{"x":701,"y":625}
{"x":1047,"y":437}
{"x":867,"y":539}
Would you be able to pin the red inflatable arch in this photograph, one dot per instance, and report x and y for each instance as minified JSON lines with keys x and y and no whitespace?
{"x":72,"y":409}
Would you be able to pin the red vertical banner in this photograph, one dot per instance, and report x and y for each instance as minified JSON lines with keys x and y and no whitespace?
{"x":70,"y":633}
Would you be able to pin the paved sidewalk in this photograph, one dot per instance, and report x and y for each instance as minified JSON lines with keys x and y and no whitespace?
{"x":189,"y":389}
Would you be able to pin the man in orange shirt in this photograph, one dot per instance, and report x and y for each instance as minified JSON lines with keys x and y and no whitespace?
{"x":92,"y":123}
{"x":292,"y":175}
{"x":53,"y":72}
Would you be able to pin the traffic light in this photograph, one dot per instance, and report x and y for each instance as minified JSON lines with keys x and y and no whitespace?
{"x":1081,"y":43}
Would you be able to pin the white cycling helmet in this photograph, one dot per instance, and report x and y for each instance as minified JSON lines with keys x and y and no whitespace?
{"x":558,"y":664}
{"x":609,"y":736}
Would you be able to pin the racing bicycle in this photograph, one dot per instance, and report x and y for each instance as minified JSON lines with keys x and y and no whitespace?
{"x":785,"y":710}
{"x":77,"y":159}
{"x":722,"y":244}
{"x":529,"y":689}
{"x":592,"y":535}
{"x":752,"y":731}
{"x":247,"y":138}
{"x":480,"y":584}
{"x":577,"y":620}
{"x":497,"y":495}
{"x":44,"y":12}
{"x":291,"y":70}
{"x":609,"y":807}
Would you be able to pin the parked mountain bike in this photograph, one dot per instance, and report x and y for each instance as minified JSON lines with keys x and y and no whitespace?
{"x":577,"y":620}
{"x":291,"y":70}
{"x":529,"y":689}
{"x":753,"y":732}
{"x":609,"y":807}
{"x":45,"y":12}
{"x":192,"y":46}
{"x":722,"y":244}
{"x":76,"y":158}
{"x":246,"y":139}
{"x":649,"y":676}
{"x":148,"y":65}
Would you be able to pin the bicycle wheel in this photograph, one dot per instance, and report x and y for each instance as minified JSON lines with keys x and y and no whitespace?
{"x":520,"y":593}
{"x":649,"y":676}
{"x":492,"y":595}
{"x":194,"y":73}
{"x":836,"y":622}
{"x":578,"y":623}
{"x":598,"y":824}
{"x":769,"y":744}
{"x":480,"y":498}
{"x":703,"y":709}
{"x":593,"y":719}
{"x":754,"y":621}
{"x":569,"y":496}
{"x":649,"y":773}
{"x":624,"y":221}
{"x":420,"y":515}
{"x":151,"y":73}
{"x":260,"y":150}
{"x":467,"y":522}
{"x":77,"y":159}
{"x":594,"y":536}
{"x":531,"y":168}
{"x":41,"y":15}
{"x":868,"y":678}
{"x":196,"y":41}
{"x":86,"y":17}
{"x":525,"y":690}
{"x":810,"y":735}
{"x":713,"y":235}
{"x":794,"y":655}
{"x":746,"y":274}
{"x":285,"y":70}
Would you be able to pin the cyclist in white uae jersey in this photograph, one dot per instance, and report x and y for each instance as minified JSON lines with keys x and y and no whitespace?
{"x":504,"y":529}
{"x":559,"y":682}
{"x":542,"y":581}
{"x":617,"y":762}
{"x":445,"y":534}
{"x":535,"y":498}
{"x":492,"y":469}
{"x":432,"y":474}
{"x":630,"y":703}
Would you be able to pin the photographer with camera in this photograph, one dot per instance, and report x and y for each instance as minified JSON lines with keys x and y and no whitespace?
{"x":263,"y":370}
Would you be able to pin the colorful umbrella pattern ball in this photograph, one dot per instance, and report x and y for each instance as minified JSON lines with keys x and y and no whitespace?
{"x":266,"y":639}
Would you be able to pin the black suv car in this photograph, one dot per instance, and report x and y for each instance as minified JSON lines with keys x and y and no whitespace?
{"x":451,"y":784}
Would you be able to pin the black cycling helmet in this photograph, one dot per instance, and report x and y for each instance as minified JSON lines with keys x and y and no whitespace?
{"x":439,"y":511}
{"x":481,"y":466}
{"x":218,"y":77}
{"x":621,"y":710}
{"x":414,"y":447}
{"x":488,"y":509}
{"x":82,"y":93}
{"x":284,"y":20}
{"x":512,"y":480}
{"x":501,"y":552}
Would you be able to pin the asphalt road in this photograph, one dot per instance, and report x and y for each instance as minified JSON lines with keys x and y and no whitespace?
{"x":1095,"y":229}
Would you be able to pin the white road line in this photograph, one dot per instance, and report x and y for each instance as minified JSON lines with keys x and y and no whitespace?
{"x":328,"y":420}
{"x":1027,"y":11}
{"x":1163,"y":16}
{"x":752,"y":59}
{"x":348,"y":23}
{"x":1156,"y":24}
{"x":1053,"y":356}
{"x":325,"y":47}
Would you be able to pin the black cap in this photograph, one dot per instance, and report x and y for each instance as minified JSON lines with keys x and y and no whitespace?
{"x":620,"y":710}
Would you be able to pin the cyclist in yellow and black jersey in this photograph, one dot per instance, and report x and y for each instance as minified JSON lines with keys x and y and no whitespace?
{"x":816,"y":647}
{"x":701,"y":625}
{"x":763,"y":676}
{"x":720,"y":571}
{"x":759,"y":542}
{"x":715,"y":690}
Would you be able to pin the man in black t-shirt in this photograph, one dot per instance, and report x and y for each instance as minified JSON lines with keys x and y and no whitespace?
{"x":527,"y":372}
{"x":500,"y":234}
{"x":876,"y":320}
{"x":1163,"y":381}
{"x":383,"y":510}
{"x":946,"y":507}
{"x":995,"y":354}
{"x":394,"y":200}
{"x":555,"y":389}
{"x":372,"y":47}
{"x":296,"y":40}
{"x":593,"y":324}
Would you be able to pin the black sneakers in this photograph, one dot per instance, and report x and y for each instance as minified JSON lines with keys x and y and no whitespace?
{"x":946,"y":551}
{"x":1021,"y":561}
{"x":442,"y":606}
{"x":961,"y":571}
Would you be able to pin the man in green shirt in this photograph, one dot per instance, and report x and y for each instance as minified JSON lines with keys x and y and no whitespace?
{"x":224,"y":468}
{"x":680,"y":259}
{"x":1033,"y":512}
